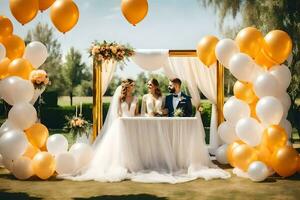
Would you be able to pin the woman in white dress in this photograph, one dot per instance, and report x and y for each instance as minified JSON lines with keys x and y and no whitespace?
{"x":152,"y":103}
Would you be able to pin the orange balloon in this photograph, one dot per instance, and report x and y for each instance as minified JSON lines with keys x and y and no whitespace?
{"x":243,"y":155}
{"x":31,"y":151}
{"x":64,"y":15}
{"x":37,"y":135}
{"x":285,"y":161}
{"x":274,"y":137}
{"x":45,"y":4}
{"x":43,"y":165}
{"x":206,"y":50}
{"x":298,"y":165}
{"x":244,"y":91}
{"x":20,"y":67}
{"x":230,"y":149}
{"x":4,"y":68}
{"x":134,"y":10}
{"x":14,"y":45}
{"x":264,"y":154}
{"x":253,"y":110}
{"x":250,"y":41}
{"x":24,"y":10}
{"x":6,"y":27}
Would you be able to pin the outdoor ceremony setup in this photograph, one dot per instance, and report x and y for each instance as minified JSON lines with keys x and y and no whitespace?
{"x":249,"y":130}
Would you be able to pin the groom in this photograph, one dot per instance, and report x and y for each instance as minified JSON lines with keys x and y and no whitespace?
{"x":178,"y":100}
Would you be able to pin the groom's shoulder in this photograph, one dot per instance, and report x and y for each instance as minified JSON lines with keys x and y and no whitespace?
{"x":186,"y":96}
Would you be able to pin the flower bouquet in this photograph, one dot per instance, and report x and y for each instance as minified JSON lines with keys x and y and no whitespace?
{"x":77,"y":126}
{"x":40,"y":80}
{"x":178,"y":112}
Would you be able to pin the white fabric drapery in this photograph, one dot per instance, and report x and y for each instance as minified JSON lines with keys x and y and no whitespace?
{"x":108,"y":70}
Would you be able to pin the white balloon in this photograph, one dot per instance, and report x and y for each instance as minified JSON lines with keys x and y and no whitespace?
{"x":241,"y":66}
{"x":283,"y":75}
{"x":249,"y":131}
{"x":65,"y":163}
{"x":16,"y":90}
{"x":36,"y":53}
{"x":257,"y":71}
{"x":22,"y":115}
{"x":286,"y":102}
{"x":235,"y":109}
{"x":284,"y":123}
{"x":57,"y":144}
{"x":258,"y":171}
{"x":2,"y":51}
{"x":227,"y":133}
{"x":225,"y":49}
{"x":13,"y":144}
{"x":269,"y":110}
{"x":6,"y":126}
{"x":221,"y":154}
{"x":266,"y":85}
{"x":83,"y":154}
{"x":22,"y":168}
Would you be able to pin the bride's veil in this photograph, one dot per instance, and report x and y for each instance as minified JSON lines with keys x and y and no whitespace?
{"x":111,"y":116}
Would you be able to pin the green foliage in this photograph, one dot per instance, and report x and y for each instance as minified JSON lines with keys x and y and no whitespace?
{"x":50,"y":98}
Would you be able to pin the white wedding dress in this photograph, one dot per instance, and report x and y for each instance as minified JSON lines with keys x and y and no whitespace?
{"x":151,"y":105}
{"x":118,"y":158}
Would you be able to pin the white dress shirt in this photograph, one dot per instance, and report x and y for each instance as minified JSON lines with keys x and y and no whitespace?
{"x":176,"y":100}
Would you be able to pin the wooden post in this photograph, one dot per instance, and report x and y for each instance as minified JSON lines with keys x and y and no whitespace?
{"x":97,"y":99}
{"x":220,"y":92}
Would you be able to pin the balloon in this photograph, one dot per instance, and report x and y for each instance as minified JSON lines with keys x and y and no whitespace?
{"x":258,"y":171}
{"x":64,"y":15}
{"x":13,"y":144}
{"x":285,"y":160}
{"x":24,"y":10}
{"x":249,"y":131}
{"x":15,"y":46}
{"x":83,"y":154}
{"x":286,"y":102}
{"x":37,"y":135}
{"x":57,"y":144}
{"x":65,"y":163}
{"x":274,"y":137}
{"x":31,"y":151}
{"x":221,"y":154}
{"x":206,"y":50}
{"x":45,"y":4}
{"x":249,"y":41}
{"x":20,"y":67}
{"x":266,"y":85}
{"x":2,"y":51}
{"x":5,"y":127}
{"x":241,"y":66}
{"x":22,"y":168}
{"x":36,"y":53}
{"x":134,"y":10}
{"x":282,"y":74}
{"x":264,"y":154}
{"x":244,"y":91}
{"x":235,"y":109}
{"x":22,"y":115}
{"x":230,"y":149}
{"x":243,"y":155}
{"x":287,"y":127}
{"x":224,"y":51}
{"x":257,"y":71}
{"x":8,"y":163}
{"x":6,"y":27}
{"x":253,"y":110}
{"x":227,"y":133}
{"x":43,"y":165}
{"x":16,"y":90}
{"x":269,"y":110}
{"x":4,"y":67}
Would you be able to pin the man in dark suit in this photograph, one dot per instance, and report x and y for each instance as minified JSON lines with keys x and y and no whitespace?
{"x":177,"y":100}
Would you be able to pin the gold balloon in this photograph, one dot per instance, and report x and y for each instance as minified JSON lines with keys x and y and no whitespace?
{"x":230,"y":149}
{"x":264,"y":154}
{"x":250,"y":41}
{"x":206,"y":50}
{"x":45,"y":4}
{"x":285,"y":161}
{"x":64,"y":15}
{"x":274,"y":137}
{"x":14,"y":45}
{"x":24,"y":10}
{"x":244,"y":91}
{"x":243,"y":155}
{"x":37,"y":135}
{"x":31,"y":151}
{"x":4,"y":68}
{"x":20,"y":67}
{"x":43,"y":165}
{"x":134,"y":10}
{"x":253,"y":110}
{"x":6,"y":27}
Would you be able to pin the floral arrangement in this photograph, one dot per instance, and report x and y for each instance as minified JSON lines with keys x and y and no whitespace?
{"x":178,"y":112}
{"x":106,"y":51}
{"x":77,"y":126}
{"x":39,"y":79}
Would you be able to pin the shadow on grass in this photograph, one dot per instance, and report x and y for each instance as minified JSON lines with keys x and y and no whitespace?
{"x":15,"y":196}
{"x":125,"y":197}
{"x":34,"y":178}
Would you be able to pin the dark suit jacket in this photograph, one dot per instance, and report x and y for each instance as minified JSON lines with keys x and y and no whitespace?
{"x":185,"y":104}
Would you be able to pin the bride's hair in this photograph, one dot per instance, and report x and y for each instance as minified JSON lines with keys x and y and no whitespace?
{"x":156,"y":84}
{"x":125,"y":85}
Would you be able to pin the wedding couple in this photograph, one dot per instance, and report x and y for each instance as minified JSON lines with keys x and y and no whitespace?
{"x":154,"y":104}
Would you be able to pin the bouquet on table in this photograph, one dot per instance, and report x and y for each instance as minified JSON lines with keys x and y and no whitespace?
{"x":77,"y":126}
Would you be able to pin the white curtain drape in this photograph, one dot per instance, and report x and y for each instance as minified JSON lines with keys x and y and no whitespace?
{"x":108,"y":70}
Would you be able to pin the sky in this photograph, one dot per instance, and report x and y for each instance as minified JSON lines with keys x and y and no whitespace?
{"x":170,"y":24}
